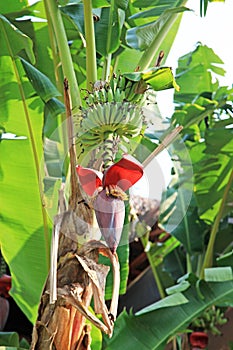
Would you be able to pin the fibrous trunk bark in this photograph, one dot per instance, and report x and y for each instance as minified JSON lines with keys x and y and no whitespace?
{"x":61,"y":324}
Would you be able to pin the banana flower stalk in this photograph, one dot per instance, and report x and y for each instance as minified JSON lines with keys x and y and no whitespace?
{"x":108,"y":189}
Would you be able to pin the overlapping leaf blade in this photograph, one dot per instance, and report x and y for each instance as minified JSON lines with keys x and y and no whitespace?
{"x":151,"y":330}
{"x":13,"y":6}
{"x":141,"y":37}
{"x":25,"y":228}
{"x":24,"y":231}
{"x":13,"y":40}
{"x":197,"y":66}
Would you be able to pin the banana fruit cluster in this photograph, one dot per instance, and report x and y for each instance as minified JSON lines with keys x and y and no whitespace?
{"x":118,"y":89}
{"x":210,"y":319}
{"x":113,"y":117}
{"x":121,"y":120}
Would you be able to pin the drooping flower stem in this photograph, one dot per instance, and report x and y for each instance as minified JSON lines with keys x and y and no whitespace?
{"x":109,"y":150}
{"x":90,"y":44}
{"x":64,"y":51}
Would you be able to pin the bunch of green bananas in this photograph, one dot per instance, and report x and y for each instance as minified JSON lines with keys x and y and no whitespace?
{"x":210,"y":319}
{"x":118,"y":89}
{"x":131,"y":87}
{"x":123,"y":120}
{"x":113,"y":116}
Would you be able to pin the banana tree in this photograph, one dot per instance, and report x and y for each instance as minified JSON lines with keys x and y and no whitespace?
{"x":110,"y":55}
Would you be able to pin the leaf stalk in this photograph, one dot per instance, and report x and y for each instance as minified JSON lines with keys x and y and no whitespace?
{"x":208,"y":260}
{"x":144,"y":241}
{"x":91,"y":68}
{"x":64,"y":51}
{"x":148,"y":56}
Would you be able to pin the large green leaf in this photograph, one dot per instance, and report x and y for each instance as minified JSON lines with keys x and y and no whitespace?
{"x":149,"y":3}
{"x":12,"y":6}
{"x":104,"y":29}
{"x":159,"y":78}
{"x":151,"y":330}
{"x":25,"y":224}
{"x":128,"y":60}
{"x":45,"y":62}
{"x":122,"y":4}
{"x":24,"y":233}
{"x":141,"y":37}
{"x":212,"y":179}
{"x":175,"y":263}
{"x":219,"y":138}
{"x":13,"y":40}
{"x":212,"y":158}
{"x":32,"y":21}
{"x":212,"y":162}
{"x":174,"y":206}
{"x":9,"y":338}
{"x":194,"y":113}
{"x":51,"y":122}
{"x":153,"y":12}
{"x":157,"y":36}
{"x":194,"y":73}
{"x":42,"y":85}
{"x":75,"y":13}
{"x":191,"y":230}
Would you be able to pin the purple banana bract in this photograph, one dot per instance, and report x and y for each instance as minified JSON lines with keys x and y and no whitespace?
{"x":109,"y":192}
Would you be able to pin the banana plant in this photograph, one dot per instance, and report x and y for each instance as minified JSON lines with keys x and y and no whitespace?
{"x":88,"y":44}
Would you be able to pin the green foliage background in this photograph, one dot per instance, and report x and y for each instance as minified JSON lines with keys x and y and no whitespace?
{"x":33,"y":62}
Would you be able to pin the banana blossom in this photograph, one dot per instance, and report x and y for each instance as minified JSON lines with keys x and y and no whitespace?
{"x":108,"y":189}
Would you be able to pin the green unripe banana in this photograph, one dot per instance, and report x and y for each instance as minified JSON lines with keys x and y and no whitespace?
{"x":120,"y":118}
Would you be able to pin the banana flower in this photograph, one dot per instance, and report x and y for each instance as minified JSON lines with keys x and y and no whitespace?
{"x":108,"y":189}
{"x":198,"y":340}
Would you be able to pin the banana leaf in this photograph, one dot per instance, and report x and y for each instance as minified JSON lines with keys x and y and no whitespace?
{"x":13,"y":6}
{"x":10,"y":341}
{"x":103,"y":27}
{"x":25,"y":226}
{"x":159,"y":78}
{"x":151,"y":328}
{"x":197,"y":67}
{"x":141,"y":37}
{"x":212,"y":159}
